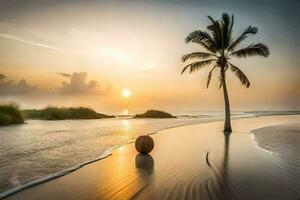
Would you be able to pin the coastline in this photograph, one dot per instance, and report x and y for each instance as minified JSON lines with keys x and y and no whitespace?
{"x":104,"y":155}
{"x":129,"y":147}
{"x":15,"y":175}
{"x":274,"y":138}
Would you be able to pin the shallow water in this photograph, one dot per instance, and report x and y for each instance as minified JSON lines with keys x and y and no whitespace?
{"x":233,"y":168}
{"x":191,"y":162}
{"x":39,"y":148}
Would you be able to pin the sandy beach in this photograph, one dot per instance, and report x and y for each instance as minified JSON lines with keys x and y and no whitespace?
{"x":190,"y":162}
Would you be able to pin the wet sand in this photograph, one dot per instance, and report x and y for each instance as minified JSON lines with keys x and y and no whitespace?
{"x":191,"y":162}
{"x":281,"y":139}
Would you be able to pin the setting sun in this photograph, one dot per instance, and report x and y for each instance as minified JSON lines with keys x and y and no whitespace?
{"x":126,"y":93}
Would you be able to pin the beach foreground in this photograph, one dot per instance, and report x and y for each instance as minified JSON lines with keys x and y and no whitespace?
{"x":190,"y":162}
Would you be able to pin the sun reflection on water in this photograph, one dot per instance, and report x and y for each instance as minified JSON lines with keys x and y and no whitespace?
{"x":126,"y":125}
{"x":125,"y":112}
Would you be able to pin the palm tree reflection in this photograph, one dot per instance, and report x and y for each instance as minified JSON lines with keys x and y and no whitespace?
{"x":224,"y":181}
{"x":220,"y":176}
{"x":226,"y":157}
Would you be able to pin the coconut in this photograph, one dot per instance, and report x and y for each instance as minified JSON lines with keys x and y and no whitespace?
{"x":144,"y":144}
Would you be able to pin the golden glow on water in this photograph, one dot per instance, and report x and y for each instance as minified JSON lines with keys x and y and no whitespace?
{"x":126,"y":125}
{"x":125,"y":112}
{"x":238,"y":162}
{"x":121,"y":149}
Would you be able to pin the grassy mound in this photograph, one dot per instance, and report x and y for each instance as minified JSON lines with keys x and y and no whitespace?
{"x":154,"y":114}
{"x":10,"y":114}
{"x":54,"y":113}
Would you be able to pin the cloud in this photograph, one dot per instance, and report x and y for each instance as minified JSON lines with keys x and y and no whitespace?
{"x":76,"y":84}
{"x":79,"y":84}
{"x":12,"y":87}
{"x":37,"y":44}
{"x":66,"y":75}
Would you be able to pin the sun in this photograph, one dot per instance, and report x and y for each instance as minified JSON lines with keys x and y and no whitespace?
{"x":126,"y":93}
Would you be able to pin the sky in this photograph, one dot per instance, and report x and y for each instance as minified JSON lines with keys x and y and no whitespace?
{"x":87,"y":53}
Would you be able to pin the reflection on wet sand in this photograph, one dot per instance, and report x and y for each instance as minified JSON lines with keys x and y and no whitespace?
{"x":177,"y":169}
{"x":144,"y":164}
{"x":221,"y":187}
{"x":223,"y":176}
{"x":226,"y":186}
{"x":225,"y":183}
{"x":144,"y":161}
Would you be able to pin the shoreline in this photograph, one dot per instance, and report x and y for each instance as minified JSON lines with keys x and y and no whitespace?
{"x":50,"y":177}
{"x":270,"y":138}
{"x":45,"y":180}
{"x":104,"y":155}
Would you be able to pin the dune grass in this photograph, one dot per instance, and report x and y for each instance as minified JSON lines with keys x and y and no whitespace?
{"x":55,"y":113}
{"x":10,"y":113}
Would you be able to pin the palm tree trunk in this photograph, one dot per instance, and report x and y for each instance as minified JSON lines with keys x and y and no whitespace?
{"x":227,"y":125}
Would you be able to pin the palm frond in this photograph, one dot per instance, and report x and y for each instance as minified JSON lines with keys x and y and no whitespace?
{"x":207,"y":47}
{"x":202,"y":38}
{"x":227,"y":24}
{"x":252,"y":50}
{"x":241,"y":76}
{"x":196,"y":55}
{"x":209,"y":76}
{"x":197,"y":65}
{"x":216,"y":31}
{"x":220,"y":46}
{"x":250,"y":30}
{"x":196,"y":35}
{"x":230,"y":29}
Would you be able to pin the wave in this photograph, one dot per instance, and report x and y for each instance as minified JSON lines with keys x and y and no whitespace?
{"x":276,"y":138}
{"x":272,"y":113}
{"x":256,"y":144}
{"x":64,"y":172}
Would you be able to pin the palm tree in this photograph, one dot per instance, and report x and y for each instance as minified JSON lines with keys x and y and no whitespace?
{"x":220,"y":48}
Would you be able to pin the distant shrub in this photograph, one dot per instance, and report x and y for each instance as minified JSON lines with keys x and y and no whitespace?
{"x":154,"y":114}
{"x":10,"y":114}
{"x":55,"y":113}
